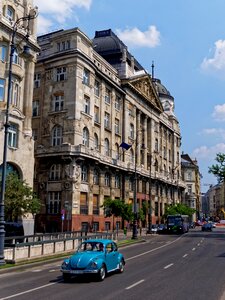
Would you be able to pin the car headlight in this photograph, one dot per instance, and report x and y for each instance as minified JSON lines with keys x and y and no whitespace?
{"x":65,"y":265}
{"x":93,"y":265}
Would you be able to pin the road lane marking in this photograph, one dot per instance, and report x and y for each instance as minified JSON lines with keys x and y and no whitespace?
{"x":152,"y":250}
{"x":52,"y":271}
{"x":31,"y":290}
{"x":193,"y":249}
{"x":198,"y":244}
{"x":168,"y":266}
{"x":37,"y":270}
{"x":133,"y":285}
{"x":185,"y":255}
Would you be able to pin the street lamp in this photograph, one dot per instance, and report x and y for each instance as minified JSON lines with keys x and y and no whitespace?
{"x":26,"y":53}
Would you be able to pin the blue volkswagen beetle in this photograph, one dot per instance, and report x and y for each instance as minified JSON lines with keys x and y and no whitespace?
{"x":97,"y":257}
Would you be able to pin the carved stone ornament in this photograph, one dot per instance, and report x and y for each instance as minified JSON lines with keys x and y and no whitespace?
{"x":143,"y":86}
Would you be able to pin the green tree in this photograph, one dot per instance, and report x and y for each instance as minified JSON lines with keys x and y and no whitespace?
{"x":218,"y":169}
{"x":19,"y":198}
{"x":118,"y":208}
{"x":178,"y":208}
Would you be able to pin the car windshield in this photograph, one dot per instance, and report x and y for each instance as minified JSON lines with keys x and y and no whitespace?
{"x":91,"y":246}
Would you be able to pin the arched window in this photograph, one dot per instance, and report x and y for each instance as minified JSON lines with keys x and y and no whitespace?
{"x":117,"y":150}
{"x":9,"y":13}
{"x":132,"y":158}
{"x":106,"y":147}
{"x":96,"y":176}
{"x":57,"y":136}
{"x":55,"y":172}
{"x":96,"y":145}
{"x":85,"y":137}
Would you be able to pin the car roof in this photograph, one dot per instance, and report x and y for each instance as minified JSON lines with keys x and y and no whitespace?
{"x":103,"y":241}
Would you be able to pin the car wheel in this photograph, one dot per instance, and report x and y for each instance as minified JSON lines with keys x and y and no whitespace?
{"x":121,"y":266}
{"x":101,"y":273}
{"x":66,"y":277}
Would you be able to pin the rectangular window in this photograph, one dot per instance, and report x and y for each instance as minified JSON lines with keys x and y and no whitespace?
{"x":96,"y":114}
{"x":117,"y":103}
{"x":37,"y":80}
{"x":34,"y":134}
{"x":54,"y":203}
{"x":107,"y":179}
{"x":117,"y":181}
{"x":107,"y":96}
{"x":13,"y":136}
{"x":189,"y":186}
{"x":87,"y":105}
{"x":107,"y":120}
{"x":95,"y":205}
{"x":117,"y":126}
{"x":35,"y":108}
{"x":86,"y":77}
{"x":58,"y":103}
{"x":97,"y":88}
{"x":83,"y":204}
{"x":61,"y":74}
{"x":3,"y":51}
{"x":2,"y":89}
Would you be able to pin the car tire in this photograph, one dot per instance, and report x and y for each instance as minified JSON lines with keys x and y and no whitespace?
{"x":121,"y":266}
{"x":66,"y":277}
{"x":102,"y":273}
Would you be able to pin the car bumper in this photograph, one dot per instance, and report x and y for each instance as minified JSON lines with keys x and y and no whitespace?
{"x":79,"y":272}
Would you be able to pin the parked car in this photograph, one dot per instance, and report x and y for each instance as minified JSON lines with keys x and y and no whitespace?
{"x":94,"y":257}
{"x":162,"y":228}
{"x":207,"y":227}
{"x":154,"y":228}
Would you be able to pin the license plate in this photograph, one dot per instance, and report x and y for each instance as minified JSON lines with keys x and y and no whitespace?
{"x":76,"y":272}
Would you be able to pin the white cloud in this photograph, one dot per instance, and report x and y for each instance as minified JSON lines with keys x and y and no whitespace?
{"x":215,"y":132}
{"x":219,"y":113}
{"x":136,"y":38}
{"x":43,"y":24}
{"x":217,"y":62}
{"x":205,"y":152}
{"x":57,"y":11}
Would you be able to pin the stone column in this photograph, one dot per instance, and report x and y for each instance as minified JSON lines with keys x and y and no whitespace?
{"x":137,"y":141}
{"x":28,"y":96}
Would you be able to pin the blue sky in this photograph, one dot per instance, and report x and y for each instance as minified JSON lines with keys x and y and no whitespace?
{"x":186,"y":41}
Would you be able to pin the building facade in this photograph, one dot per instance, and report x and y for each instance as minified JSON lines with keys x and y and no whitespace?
{"x":191,"y":176}
{"x":100,"y":127}
{"x":20,"y":151}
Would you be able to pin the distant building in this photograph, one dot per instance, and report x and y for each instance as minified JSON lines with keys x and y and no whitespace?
{"x":20,"y":152}
{"x":191,"y":176}
{"x":98,"y":120}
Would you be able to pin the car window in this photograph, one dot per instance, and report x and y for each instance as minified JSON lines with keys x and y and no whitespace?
{"x":109,"y":247}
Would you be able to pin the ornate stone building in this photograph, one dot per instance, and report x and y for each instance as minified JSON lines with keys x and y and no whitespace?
{"x":191,"y":176}
{"x":20,"y":152}
{"x":92,"y":98}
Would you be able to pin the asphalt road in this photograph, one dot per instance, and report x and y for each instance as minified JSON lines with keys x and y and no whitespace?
{"x":191,"y":266}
